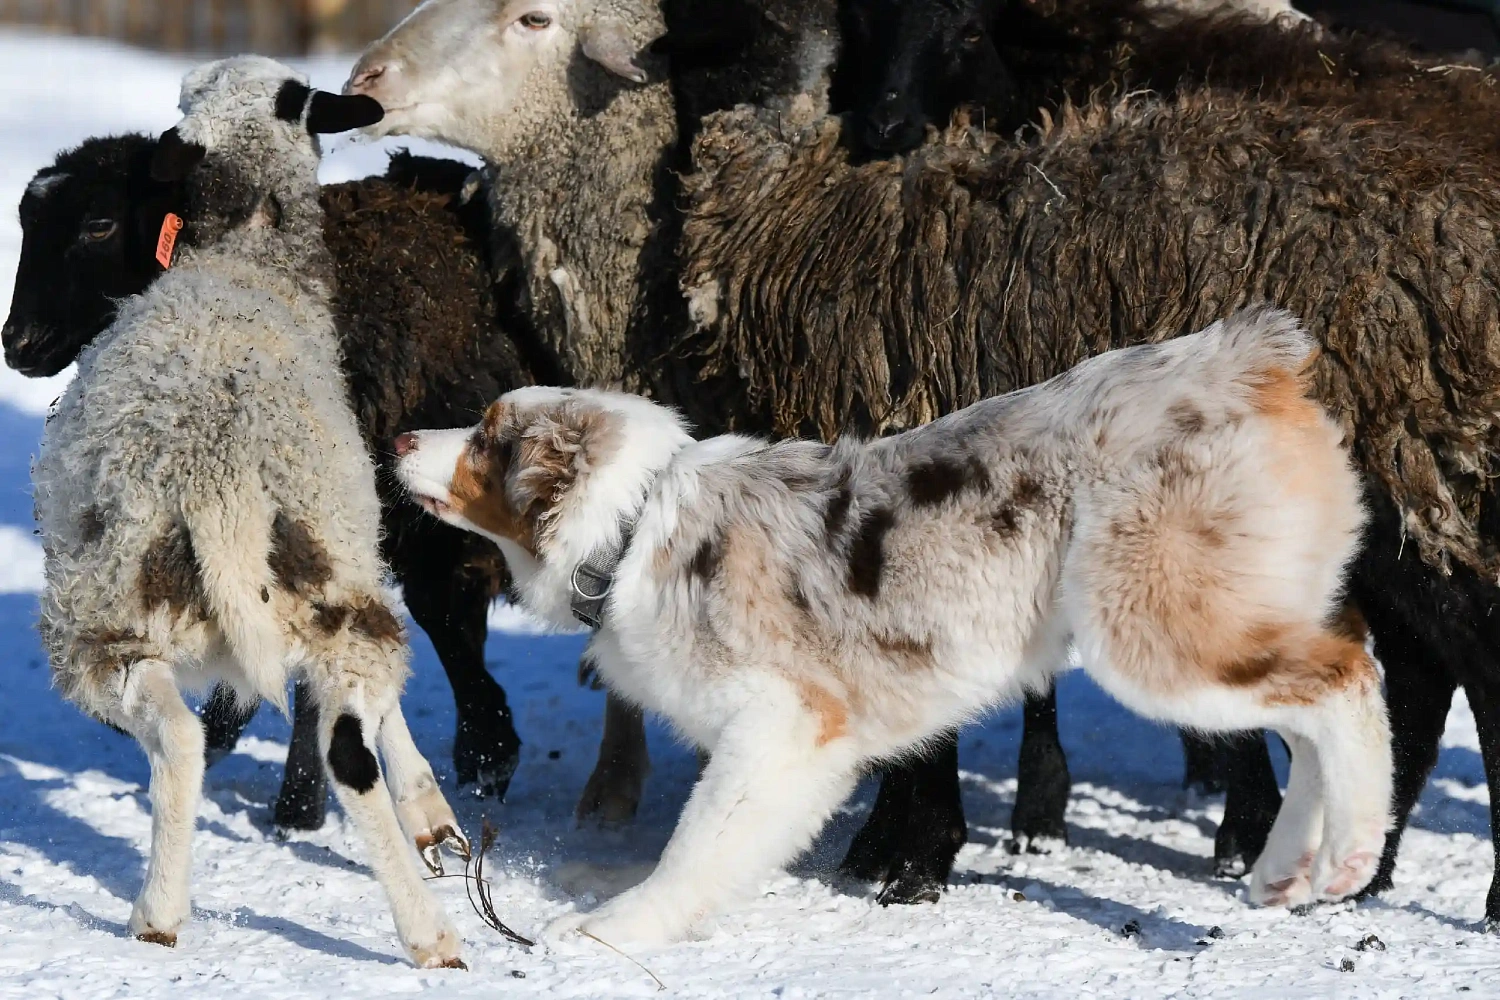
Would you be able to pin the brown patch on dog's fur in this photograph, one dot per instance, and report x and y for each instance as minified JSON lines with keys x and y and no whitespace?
{"x":833,"y":714}
{"x":1292,"y":670}
{"x":297,"y":560}
{"x":933,"y":481}
{"x":164,"y":938}
{"x":1186,"y":417}
{"x":477,"y":490}
{"x":169,"y":575}
{"x":907,"y":653}
{"x":867,"y":552}
{"x":705,"y":562}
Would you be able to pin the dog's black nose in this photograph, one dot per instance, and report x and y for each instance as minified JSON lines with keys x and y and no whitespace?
{"x":405,"y":443}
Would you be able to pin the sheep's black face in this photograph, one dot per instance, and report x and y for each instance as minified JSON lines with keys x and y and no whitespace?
{"x":89,"y":227}
{"x":910,"y":63}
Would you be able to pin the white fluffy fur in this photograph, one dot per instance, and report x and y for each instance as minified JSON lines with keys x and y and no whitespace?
{"x":211,"y":411}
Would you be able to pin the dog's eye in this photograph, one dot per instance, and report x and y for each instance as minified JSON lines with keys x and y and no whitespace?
{"x":535,"y":20}
{"x":99,"y":229}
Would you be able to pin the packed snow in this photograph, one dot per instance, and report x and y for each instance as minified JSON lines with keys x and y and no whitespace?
{"x":302,"y":917}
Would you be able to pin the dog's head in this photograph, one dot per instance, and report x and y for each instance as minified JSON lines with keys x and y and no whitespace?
{"x":548,"y":474}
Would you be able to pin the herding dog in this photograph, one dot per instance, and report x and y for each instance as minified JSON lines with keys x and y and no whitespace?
{"x":1182,"y":513}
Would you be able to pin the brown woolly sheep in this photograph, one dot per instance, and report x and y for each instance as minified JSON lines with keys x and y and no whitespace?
{"x":1128,"y":223}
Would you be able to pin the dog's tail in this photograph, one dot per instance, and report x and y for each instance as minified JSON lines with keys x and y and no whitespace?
{"x":229,"y":522}
{"x":1251,"y":342}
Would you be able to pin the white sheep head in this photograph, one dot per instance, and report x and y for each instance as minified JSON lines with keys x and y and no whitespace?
{"x":494,"y":76}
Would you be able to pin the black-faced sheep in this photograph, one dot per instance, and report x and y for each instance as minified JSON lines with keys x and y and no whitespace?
{"x":208,"y":508}
{"x":415,"y":314}
{"x":1134,"y":223}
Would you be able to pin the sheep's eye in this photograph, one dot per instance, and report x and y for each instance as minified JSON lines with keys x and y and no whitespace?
{"x":99,"y":229}
{"x":973,"y":36}
{"x":535,"y":20}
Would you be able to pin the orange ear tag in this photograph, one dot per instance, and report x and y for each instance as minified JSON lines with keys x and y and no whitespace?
{"x":166,"y":242}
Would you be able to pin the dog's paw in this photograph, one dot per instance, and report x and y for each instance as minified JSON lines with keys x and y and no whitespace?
{"x":1341,"y":877}
{"x":1287,"y":885}
{"x":627,"y":921}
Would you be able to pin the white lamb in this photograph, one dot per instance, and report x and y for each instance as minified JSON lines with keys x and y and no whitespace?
{"x":208,"y":508}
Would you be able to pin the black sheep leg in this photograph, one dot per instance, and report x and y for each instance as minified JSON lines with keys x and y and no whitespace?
{"x":1251,"y":802}
{"x":1419,"y":691}
{"x":303,"y":801}
{"x":1484,"y":699}
{"x":452,"y":605}
{"x":915,"y":830}
{"x":224,"y":719}
{"x":1042,"y":780}
{"x":1204,"y":763}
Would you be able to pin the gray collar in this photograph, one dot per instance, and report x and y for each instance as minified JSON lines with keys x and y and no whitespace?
{"x":594,"y":578}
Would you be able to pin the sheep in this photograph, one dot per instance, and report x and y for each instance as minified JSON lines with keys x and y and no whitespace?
{"x":208,"y":509}
{"x":1038,"y":55}
{"x":415,"y":313}
{"x":1134,"y":222}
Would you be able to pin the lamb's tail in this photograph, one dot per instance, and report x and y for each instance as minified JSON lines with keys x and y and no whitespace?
{"x":230,"y":528}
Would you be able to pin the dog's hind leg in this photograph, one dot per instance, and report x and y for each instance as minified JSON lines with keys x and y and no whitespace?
{"x":1042,"y":780}
{"x":1283,"y":873}
{"x":613,"y":791}
{"x":424,"y":814}
{"x":153,"y":711}
{"x":776,"y":774}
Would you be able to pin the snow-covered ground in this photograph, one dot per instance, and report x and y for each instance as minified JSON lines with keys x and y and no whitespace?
{"x":304,"y":918}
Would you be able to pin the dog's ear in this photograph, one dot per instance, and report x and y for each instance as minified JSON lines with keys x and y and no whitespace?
{"x":175,"y":159}
{"x":494,"y":419}
{"x":560,"y":445}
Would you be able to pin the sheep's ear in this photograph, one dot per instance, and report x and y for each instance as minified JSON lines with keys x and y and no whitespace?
{"x":175,"y":159}
{"x":341,"y":112}
{"x":606,"y":40}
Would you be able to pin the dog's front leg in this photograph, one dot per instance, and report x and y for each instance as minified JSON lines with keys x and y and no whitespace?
{"x":775,"y":775}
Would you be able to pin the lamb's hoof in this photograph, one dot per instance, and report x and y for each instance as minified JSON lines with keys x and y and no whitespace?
{"x":1038,"y":833}
{"x":443,"y":952}
{"x":167,"y":939}
{"x":486,"y":754}
{"x":1382,"y":882}
{"x":448,"y":836}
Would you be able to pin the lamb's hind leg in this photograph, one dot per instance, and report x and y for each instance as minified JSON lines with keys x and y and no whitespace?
{"x":425,"y":815}
{"x":153,"y":711}
{"x":348,"y":724}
